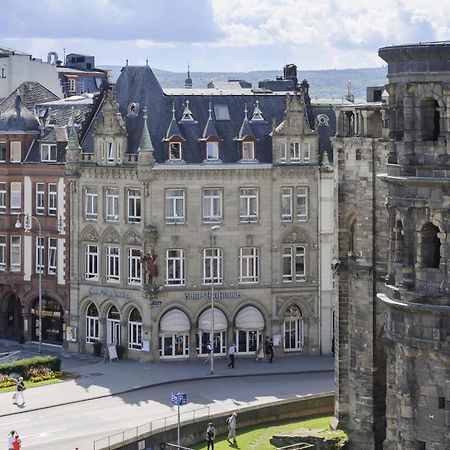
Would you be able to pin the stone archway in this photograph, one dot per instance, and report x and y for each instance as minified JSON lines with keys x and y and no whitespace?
{"x":12,"y":327}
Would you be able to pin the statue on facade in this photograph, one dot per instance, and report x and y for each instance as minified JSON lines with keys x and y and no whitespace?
{"x":149,"y":267}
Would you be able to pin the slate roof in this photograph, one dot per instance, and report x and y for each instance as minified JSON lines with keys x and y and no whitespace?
{"x":18,"y":119}
{"x":139,"y":85}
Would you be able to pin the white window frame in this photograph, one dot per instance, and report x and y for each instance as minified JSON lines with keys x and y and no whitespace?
{"x":92,"y":326}
{"x":91,"y":262}
{"x":302,"y":203}
{"x":15,"y":149}
{"x":52,"y":255}
{"x":291,"y":256}
{"x":283,"y":152}
{"x":212,"y":266}
{"x":248,"y":150}
{"x":175,"y":205}
{"x":2,"y":152}
{"x":306,"y":152}
{"x":2,"y":253}
{"x":48,"y":153}
{"x":91,"y":203}
{"x":294,"y":152}
{"x":134,"y":266}
{"x":175,"y":267}
{"x":113,"y":328}
{"x":176,"y":340}
{"x":134,"y":205}
{"x":248,"y":265}
{"x":112,"y":204}
{"x":134,"y":333}
{"x":112,"y":264}
{"x":3,"y":193}
{"x":212,"y":151}
{"x":248,"y":205}
{"x":212,"y":205}
{"x":287,"y":203}
{"x":111,"y":156}
{"x":40,"y":199}
{"x":72,"y":85}
{"x":52,"y":199}
{"x":175,"y":151}
{"x":40,"y":249}
{"x":15,"y":254}
{"x":16,"y":197}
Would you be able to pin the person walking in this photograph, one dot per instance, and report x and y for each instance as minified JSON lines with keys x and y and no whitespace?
{"x":17,"y":443}
{"x":260,"y":352}
{"x":231,"y":422}
{"x":11,"y":437}
{"x":210,"y":436}
{"x":231,"y":354}
{"x":269,"y":349}
{"x":209,"y":351}
{"x":20,"y":387}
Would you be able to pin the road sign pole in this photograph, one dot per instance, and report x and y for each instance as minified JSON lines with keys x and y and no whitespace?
{"x":178,"y":442}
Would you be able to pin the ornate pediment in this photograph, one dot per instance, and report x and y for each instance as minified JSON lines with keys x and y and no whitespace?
{"x":296,"y":235}
{"x":89,"y":234}
{"x":132,"y":238}
{"x":111,"y":235}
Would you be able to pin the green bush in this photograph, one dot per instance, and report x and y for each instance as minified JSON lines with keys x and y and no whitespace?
{"x":23,"y":366}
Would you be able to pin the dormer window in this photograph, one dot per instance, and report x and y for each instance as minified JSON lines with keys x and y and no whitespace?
{"x":175,"y":151}
{"x":212,"y":151}
{"x":306,"y":152}
{"x":294,"y":152}
{"x":257,"y":114}
{"x":48,"y":152}
{"x":112,"y":153}
{"x":248,"y":150}
{"x":283,"y":152}
{"x":16,"y":152}
{"x":187,"y":115}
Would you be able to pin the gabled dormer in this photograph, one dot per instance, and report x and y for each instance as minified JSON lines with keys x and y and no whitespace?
{"x":187,"y":116}
{"x":211,"y":139}
{"x":246,"y":140}
{"x":257,"y":115}
{"x":293,"y":140}
{"x":174,"y":140}
{"x":110,"y":135}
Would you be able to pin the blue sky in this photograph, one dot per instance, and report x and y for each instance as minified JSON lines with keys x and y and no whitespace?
{"x":222,"y":35}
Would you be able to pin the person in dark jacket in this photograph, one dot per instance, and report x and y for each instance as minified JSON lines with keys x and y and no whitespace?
{"x":269,"y":349}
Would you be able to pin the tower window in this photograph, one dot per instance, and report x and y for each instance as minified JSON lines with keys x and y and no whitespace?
{"x":431,"y":246}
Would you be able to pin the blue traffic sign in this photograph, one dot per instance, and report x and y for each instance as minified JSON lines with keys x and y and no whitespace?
{"x":178,"y":399}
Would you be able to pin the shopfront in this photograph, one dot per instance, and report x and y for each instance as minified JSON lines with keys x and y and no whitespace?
{"x":52,"y":321}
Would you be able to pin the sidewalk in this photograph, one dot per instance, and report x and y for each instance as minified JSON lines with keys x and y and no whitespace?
{"x":96,"y":378}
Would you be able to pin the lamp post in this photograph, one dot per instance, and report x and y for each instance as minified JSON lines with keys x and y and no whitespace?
{"x":214,"y":228}
{"x":27,"y":227}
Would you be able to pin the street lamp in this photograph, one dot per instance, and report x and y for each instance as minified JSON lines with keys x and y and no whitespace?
{"x":214,"y":228}
{"x":27,"y":227}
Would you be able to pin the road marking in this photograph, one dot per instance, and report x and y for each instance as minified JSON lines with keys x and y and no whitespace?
{"x":45,"y":433}
{"x":16,"y":421}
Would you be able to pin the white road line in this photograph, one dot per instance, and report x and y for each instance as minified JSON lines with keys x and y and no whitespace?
{"x":16,"y":421}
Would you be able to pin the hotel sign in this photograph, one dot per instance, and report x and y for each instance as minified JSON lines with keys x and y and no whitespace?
{"x":206,"y":295}
{"x":108,"y":292}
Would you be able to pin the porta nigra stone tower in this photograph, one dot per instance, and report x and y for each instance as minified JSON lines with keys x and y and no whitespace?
{"x":417,"y":303}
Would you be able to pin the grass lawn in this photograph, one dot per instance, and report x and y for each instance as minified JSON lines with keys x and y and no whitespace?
{"x":257,"y":437}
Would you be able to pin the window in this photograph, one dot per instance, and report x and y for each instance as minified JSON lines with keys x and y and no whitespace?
{"x":212,"y":205}
{"x":48,"y":152}
{"x":249,"y":265}
{"x":113,"y":326}
{"x":2,"y":198}
{"x":16,"y":197}
{"x":52,"y":199}
{"x":134,"y":266}
{"x":112,"y":264}
{"x":293,"y":263}
{"x":175,"y":267}
{"x":283,"y":152}
{"x":135,"y":330}
{"x":248,"y":150}
{"x":40,"y":247}
{"x":294,"y":152}
{"x":302,"y":204}
{"x":91,"y":203}
{"x":306,"y":151}
{"x":72,"y":85}
{"x":134,"y":206}
{"x":91,"y":262}
{"x":430,"y":246}
{"x":40,"y":198}
{"x":112,"y":204}
{"x":358,"y":154}
{"x":2,"y":253}
{"x":111,"y":159}
{"x":286,"y":204}
{"x":2,"y":152}
{"x":92,"y":324}
{"x":221,"y":112}
{"x":248,"y":205}
{"x":15,"y":254}
{"x":293,"y":329}
{"x":16,"y":152}
{"x":175,"y":151}
{"x":52,"y":249}
{"x":175,"y":201}
{"x":212,"y":266}
{"x":212,"y":151}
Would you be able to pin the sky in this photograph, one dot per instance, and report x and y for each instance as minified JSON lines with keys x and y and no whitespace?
{"x":222,"y":35}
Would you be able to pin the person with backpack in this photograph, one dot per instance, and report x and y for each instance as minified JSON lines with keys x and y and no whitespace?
{"x":20,"y":387}
{"x":231,"y":423}
{"x":210,"y":436}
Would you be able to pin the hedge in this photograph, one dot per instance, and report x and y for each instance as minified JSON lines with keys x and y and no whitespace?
{"x":22,"y":366}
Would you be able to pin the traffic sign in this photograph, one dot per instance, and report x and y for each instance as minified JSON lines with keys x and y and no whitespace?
{"x":178,"y":399}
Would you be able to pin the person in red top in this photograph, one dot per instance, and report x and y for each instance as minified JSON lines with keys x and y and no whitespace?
{"x":16,"y":443}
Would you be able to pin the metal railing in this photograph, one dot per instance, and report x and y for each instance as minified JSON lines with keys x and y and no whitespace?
{"x":149,"y":428}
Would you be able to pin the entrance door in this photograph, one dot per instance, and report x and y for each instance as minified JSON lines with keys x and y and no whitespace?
{"x":14,"y":319}
{"x":52,"y":321}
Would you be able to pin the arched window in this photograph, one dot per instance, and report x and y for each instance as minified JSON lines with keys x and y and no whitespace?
{"x":352,"y":239}
{"x":174,"y":334}
{"x":113,"y":322}
{"x":135,"y":330}
{"x":249,"y":323}
{"x":431,"y":246}
{"x":293,"y":329}
{"x":92,"y":324}
{"x":430,"y":120}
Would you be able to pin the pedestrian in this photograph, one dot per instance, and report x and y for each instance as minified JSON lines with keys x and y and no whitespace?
{"x":209,"y":351}
{"x":210,"y":436}
{"x":231,"y":422}
{"x":20,"y":387}
{"x":11,"y":437}
{"x":260,"y":352}
{"x":269,"y":349}
{"x":231,"y":354}
{"x":17,"y":443}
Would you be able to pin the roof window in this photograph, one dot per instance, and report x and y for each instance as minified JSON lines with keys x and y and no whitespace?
{"x":221,"y":112}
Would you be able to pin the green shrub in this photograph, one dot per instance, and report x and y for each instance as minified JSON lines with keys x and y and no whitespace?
{"x":23,"y":366}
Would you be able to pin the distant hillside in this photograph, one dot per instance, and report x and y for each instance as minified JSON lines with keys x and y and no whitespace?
{"x":323,"y":83}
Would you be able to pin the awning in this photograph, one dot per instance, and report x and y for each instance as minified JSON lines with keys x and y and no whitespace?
{"x":174,"y":321}
{"x":249,"y":319}
{"x":220,"y":321}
